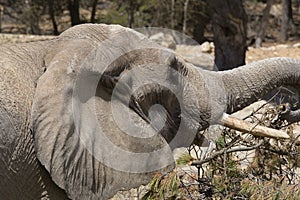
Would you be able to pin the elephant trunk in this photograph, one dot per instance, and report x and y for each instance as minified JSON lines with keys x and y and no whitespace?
{"x":249,"y":83}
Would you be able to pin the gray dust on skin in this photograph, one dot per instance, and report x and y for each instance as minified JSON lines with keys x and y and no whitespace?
{"x":42,"y":100}
{"x":21,"y":174}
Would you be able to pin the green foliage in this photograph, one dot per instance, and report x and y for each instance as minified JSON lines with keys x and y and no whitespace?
{"x":118,"y":13}
{"x":220,"y":142}
{"x":227,"y":175}
{"x":164,"y":187}
{"x":35,"y":14}
{"x":272,"y":190}
{"x":184,"y":159}
{"x":158,"y":13}
{"x":114,"y":16}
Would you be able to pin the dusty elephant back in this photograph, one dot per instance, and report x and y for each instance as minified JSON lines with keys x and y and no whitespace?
{"x":20,"y":67}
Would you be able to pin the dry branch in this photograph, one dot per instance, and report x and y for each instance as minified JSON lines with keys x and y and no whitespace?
{"x":225,"y":150}
{"x":254,"y":129}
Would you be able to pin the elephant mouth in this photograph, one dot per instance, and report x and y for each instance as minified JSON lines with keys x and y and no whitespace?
{"x":160,"y":109}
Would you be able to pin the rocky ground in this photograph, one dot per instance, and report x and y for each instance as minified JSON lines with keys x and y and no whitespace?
{"x":274,"y":50}
{"x":201,"y":55}
{"x":17,"y":38}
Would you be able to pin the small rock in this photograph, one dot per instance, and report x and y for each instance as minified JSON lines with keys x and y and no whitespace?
{"x":272,"y":48}
{"x":157,"y":37}
{"x":297,"y":45}
{"x":169,"y":42}
{"x":165,"y":40}
{"x":212,"y":45}
{"x":282,"y":46}
{"x":276,"y":10}
{"x":194,"y":55}
{"x":205,"y":47}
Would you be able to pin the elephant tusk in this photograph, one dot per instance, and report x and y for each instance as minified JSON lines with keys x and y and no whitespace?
{"x":254,"y":129}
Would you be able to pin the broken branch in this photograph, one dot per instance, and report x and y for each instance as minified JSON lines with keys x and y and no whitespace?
{"x":225,"y":150}
{"x":254,"y":129}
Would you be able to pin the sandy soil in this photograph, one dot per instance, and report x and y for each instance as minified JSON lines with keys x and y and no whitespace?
{"x":268,"y":50}
{"x":273,"y":50}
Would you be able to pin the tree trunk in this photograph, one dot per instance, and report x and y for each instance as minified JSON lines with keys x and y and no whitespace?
{"x":130,"y":12}
{"x":173,"y":14}
{"x":287,"y":17}
{"x":201,"y":22}
{"x":94,"y":9}
{"x":263,"y":24}
{"x":185,"y":12}
{"x":31,"y":18}
{"x":1,"y":15}
{"x":52,"y":16}
{"x":73,"y":6}
{"x":130,"y":19}
{"x":229,"y":21}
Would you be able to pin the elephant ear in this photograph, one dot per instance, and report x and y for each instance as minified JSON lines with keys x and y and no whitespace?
{"x":92,"y":137}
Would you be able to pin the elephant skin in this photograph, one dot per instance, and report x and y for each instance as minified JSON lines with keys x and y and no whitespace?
{"x":68,"y":105}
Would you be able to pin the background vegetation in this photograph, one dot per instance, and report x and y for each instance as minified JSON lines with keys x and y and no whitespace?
{"x":233,"y":25}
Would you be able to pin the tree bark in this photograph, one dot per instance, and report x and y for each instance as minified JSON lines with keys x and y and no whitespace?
{"x":185,"y":13}
{"x":130,"y":11}
{"x":173,"y":14}
{"x":201,"y":21}
{"x":94,"y":9}
{"x":31,"y":18}
{"x":73,"y":6}
{"x":287,"y":17}
{"x":52,"y":16}
{"x":1,"y":15}
{"x":263,"y":24}
{"x":229,"y":22}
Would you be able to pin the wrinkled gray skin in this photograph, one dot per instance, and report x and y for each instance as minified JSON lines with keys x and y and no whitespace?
{"x":40,"y":154}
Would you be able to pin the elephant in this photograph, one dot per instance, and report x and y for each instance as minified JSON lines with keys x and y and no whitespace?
{"x":100,"y":108}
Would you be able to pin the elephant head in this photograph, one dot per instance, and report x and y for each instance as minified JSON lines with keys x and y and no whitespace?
{"x":111,"y":105}
{"x":109,"y":109}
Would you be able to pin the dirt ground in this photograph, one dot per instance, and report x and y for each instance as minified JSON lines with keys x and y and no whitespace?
{"x":289,"y":49}
{"x":269,"y":50}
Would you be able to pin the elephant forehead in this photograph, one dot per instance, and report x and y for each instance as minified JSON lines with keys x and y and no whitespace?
{"x":97,"y":32}
{"x":115,"y":55}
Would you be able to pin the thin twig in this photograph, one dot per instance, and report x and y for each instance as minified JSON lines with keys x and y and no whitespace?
{"x":218,"y":153}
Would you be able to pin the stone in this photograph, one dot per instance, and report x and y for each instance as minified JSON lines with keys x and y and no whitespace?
{"x":297,"y":45}
{"x":205,"y":47}
{"x":194,"y":55}
{"x":165,"y":40}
